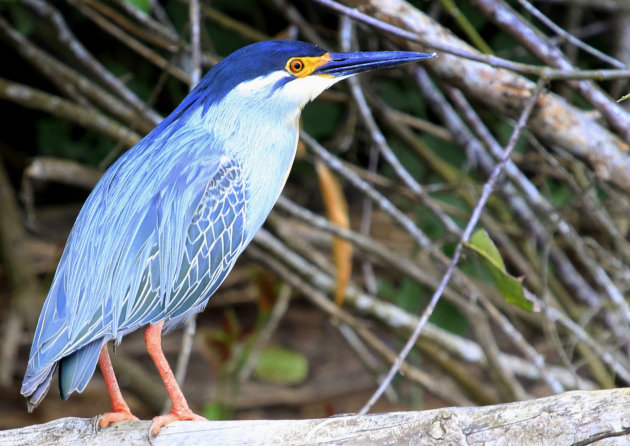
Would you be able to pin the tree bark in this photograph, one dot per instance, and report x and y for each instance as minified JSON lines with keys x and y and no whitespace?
{"x":572,"y":418}
{"x":554,"y":120}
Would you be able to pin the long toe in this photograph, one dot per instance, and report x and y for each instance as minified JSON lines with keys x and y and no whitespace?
{"x":114,"y":417}
{"x":180,"y":415}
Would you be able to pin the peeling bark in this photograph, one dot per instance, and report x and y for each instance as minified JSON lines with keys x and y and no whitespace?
{"x":572,"y":418}
{"x":554,"y":120}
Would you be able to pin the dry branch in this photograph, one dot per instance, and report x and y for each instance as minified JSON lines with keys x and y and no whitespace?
{"x":57,"y":106}
{"x":554,"y":121}
{"x":572,"y":418}
{"x":21,"y":277}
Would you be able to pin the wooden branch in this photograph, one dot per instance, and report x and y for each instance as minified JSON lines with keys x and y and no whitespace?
{"x":25,"y":291}
{"x":572,"y":418}
{"x":89,"y":118}
{"x":554,"y":120}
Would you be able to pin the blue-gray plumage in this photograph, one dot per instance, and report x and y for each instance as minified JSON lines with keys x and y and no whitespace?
{"x":165,"y":224}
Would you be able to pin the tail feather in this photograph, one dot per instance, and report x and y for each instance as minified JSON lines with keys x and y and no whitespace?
{"x":36,"y":387}
{"x":76,"y":369}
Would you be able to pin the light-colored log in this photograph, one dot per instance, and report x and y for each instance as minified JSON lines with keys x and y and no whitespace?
{"x":573,"y":418}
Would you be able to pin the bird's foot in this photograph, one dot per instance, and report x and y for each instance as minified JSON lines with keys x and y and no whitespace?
{"x":114,"y":417}
{"x":174,"y":415}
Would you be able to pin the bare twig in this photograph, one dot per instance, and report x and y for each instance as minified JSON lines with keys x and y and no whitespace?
{"x":487,"y":190}
{"x":262,"y":339}
{"x":134,"y":44}
{"x":89,"y":118}
{"x":569,"y":37}
{"x":82,"y":55}
{"x":555,"y":122}
{"x":23,"y":283}
{"x":66,"y":76}
{"x":515,"y":25}
{"x":327,"y":305}
{"x":378,"y":198}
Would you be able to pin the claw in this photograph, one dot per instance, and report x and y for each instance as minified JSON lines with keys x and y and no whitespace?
{"x":182,"y":415}
{"x":114,"y":417}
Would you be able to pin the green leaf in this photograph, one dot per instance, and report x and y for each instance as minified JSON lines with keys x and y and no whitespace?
{"x":411,"y":296}
{"x":407,"y":295}
{"x":320,"y":118}
{"x":59,"y":138}
{"x":446,"y":316}
{"x":142,"y":5}
{"x":623,"y":98}
{"x":509,"y":286}
{"x":213,"y":412}
{"x":279,"y":365}
{"x":481,"y":243}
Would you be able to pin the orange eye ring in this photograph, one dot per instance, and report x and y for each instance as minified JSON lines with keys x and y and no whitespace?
{"x":296,"y":65}
{"x":303,"y":66}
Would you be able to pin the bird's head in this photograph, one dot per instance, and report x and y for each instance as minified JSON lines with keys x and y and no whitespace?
{"x":285,"y":75}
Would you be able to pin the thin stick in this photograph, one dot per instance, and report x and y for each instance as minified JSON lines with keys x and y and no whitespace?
{"x":570,"y":37}
{"x":476,"y":214}
{"x":262,"y":339}
{"x":494,"y":61}
{"x":65,"y":36}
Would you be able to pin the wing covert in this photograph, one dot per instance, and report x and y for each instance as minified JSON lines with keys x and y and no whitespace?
{"x":158,"y":258}
{"x":213,"y":240}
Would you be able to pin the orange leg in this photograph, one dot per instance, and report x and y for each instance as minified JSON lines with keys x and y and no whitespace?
{"x":180,"y":410}
{"x":120,"y":408}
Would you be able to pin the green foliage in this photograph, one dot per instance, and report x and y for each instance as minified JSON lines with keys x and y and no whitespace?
{"x":141,"y":80}
{"x":560,"y":193}
{"x":59,"y":138}
{"x":449,"y":318}
{"x":502,"y":42}
{"x":213,"y":411}
{"x":472,"y":14}
{"x":412,"y":162}
{"x":142,"y":5}
{"x":431,"y":224}
{"x":504,"y":130}
{"x":428,"y":221}
{"x":400,"y":94}
{"x":448,"y":151}
{"x":509,"y":286}
{"x":320,"y":118}
{"x":224,"y":41}
{"x":279,"y":365}
{"x":22,"y":21}
{"x":411,"y":297}
{"x":407,"y":295}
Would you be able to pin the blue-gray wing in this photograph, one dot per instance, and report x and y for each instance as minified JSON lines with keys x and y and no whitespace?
{"x":214,"y":239}
{"x":159,"y":256}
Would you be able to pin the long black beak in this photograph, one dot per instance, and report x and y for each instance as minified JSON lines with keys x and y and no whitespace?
{"x":346,"y":64}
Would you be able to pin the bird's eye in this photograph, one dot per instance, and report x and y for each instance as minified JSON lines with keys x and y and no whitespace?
{"x":303,"y":66}
{"x":296,"y":65}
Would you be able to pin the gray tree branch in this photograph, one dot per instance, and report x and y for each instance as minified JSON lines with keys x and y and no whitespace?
{"x":572,"y":418}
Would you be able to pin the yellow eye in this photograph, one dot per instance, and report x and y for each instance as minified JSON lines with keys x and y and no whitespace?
{"x":296,"y":65}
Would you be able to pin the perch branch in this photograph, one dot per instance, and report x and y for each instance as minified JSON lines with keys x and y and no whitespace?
{"x":572,"y":418}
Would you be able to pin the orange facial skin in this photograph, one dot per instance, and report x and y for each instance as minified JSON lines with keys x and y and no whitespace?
{"x":305,"y":66}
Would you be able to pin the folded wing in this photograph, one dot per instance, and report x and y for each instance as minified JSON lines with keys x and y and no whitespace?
{"x":159,"y":257}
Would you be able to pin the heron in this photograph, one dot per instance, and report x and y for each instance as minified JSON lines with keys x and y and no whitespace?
{"x":165,"y":224}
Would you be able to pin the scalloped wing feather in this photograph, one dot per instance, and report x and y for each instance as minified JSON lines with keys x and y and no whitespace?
{"x":158,"y":257}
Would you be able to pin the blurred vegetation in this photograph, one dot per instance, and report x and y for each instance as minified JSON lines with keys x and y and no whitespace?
{"x":554,"y":355}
